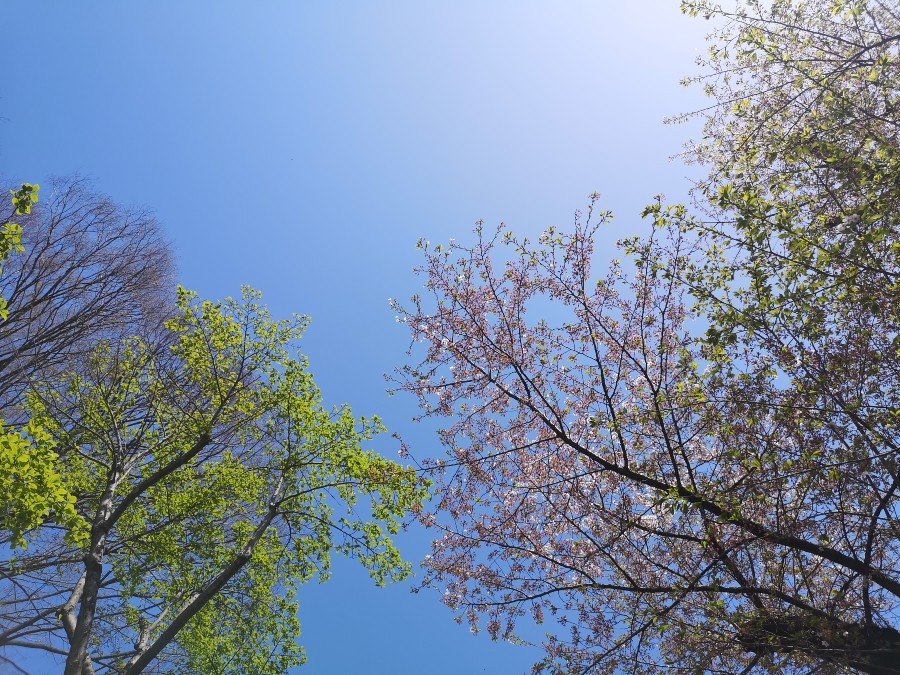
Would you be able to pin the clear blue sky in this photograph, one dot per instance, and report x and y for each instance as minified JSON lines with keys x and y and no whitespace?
{"x":303,"y":147}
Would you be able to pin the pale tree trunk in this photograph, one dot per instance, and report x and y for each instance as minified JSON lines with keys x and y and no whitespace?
{"x":106,"y":518}
{"x":67,"y":617}
{"x":90,"y":584}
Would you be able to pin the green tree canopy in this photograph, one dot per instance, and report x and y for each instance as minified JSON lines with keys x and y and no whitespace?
{"x":75,"y":267}
{"x":193,"y":478}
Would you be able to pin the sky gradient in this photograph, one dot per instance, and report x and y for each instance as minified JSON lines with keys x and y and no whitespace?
{"x":304,"y":147}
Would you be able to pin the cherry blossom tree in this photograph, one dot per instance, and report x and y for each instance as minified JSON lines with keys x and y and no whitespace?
{"x":689,"y":463}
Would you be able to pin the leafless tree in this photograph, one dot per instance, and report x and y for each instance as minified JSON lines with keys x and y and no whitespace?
{"x":90,"y":268}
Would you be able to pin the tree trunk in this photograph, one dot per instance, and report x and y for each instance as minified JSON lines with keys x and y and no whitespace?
{"x":200,"y":599}
{"x":874,"y":649}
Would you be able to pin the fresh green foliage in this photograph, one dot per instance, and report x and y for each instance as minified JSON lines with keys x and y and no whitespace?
{"x":32,"y":489}
{"x":214,"y":482}
{"x":25,"y":197}
{"x":11,"y":233}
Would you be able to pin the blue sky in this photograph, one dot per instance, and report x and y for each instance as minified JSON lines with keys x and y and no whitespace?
{"x":304,"y":147}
